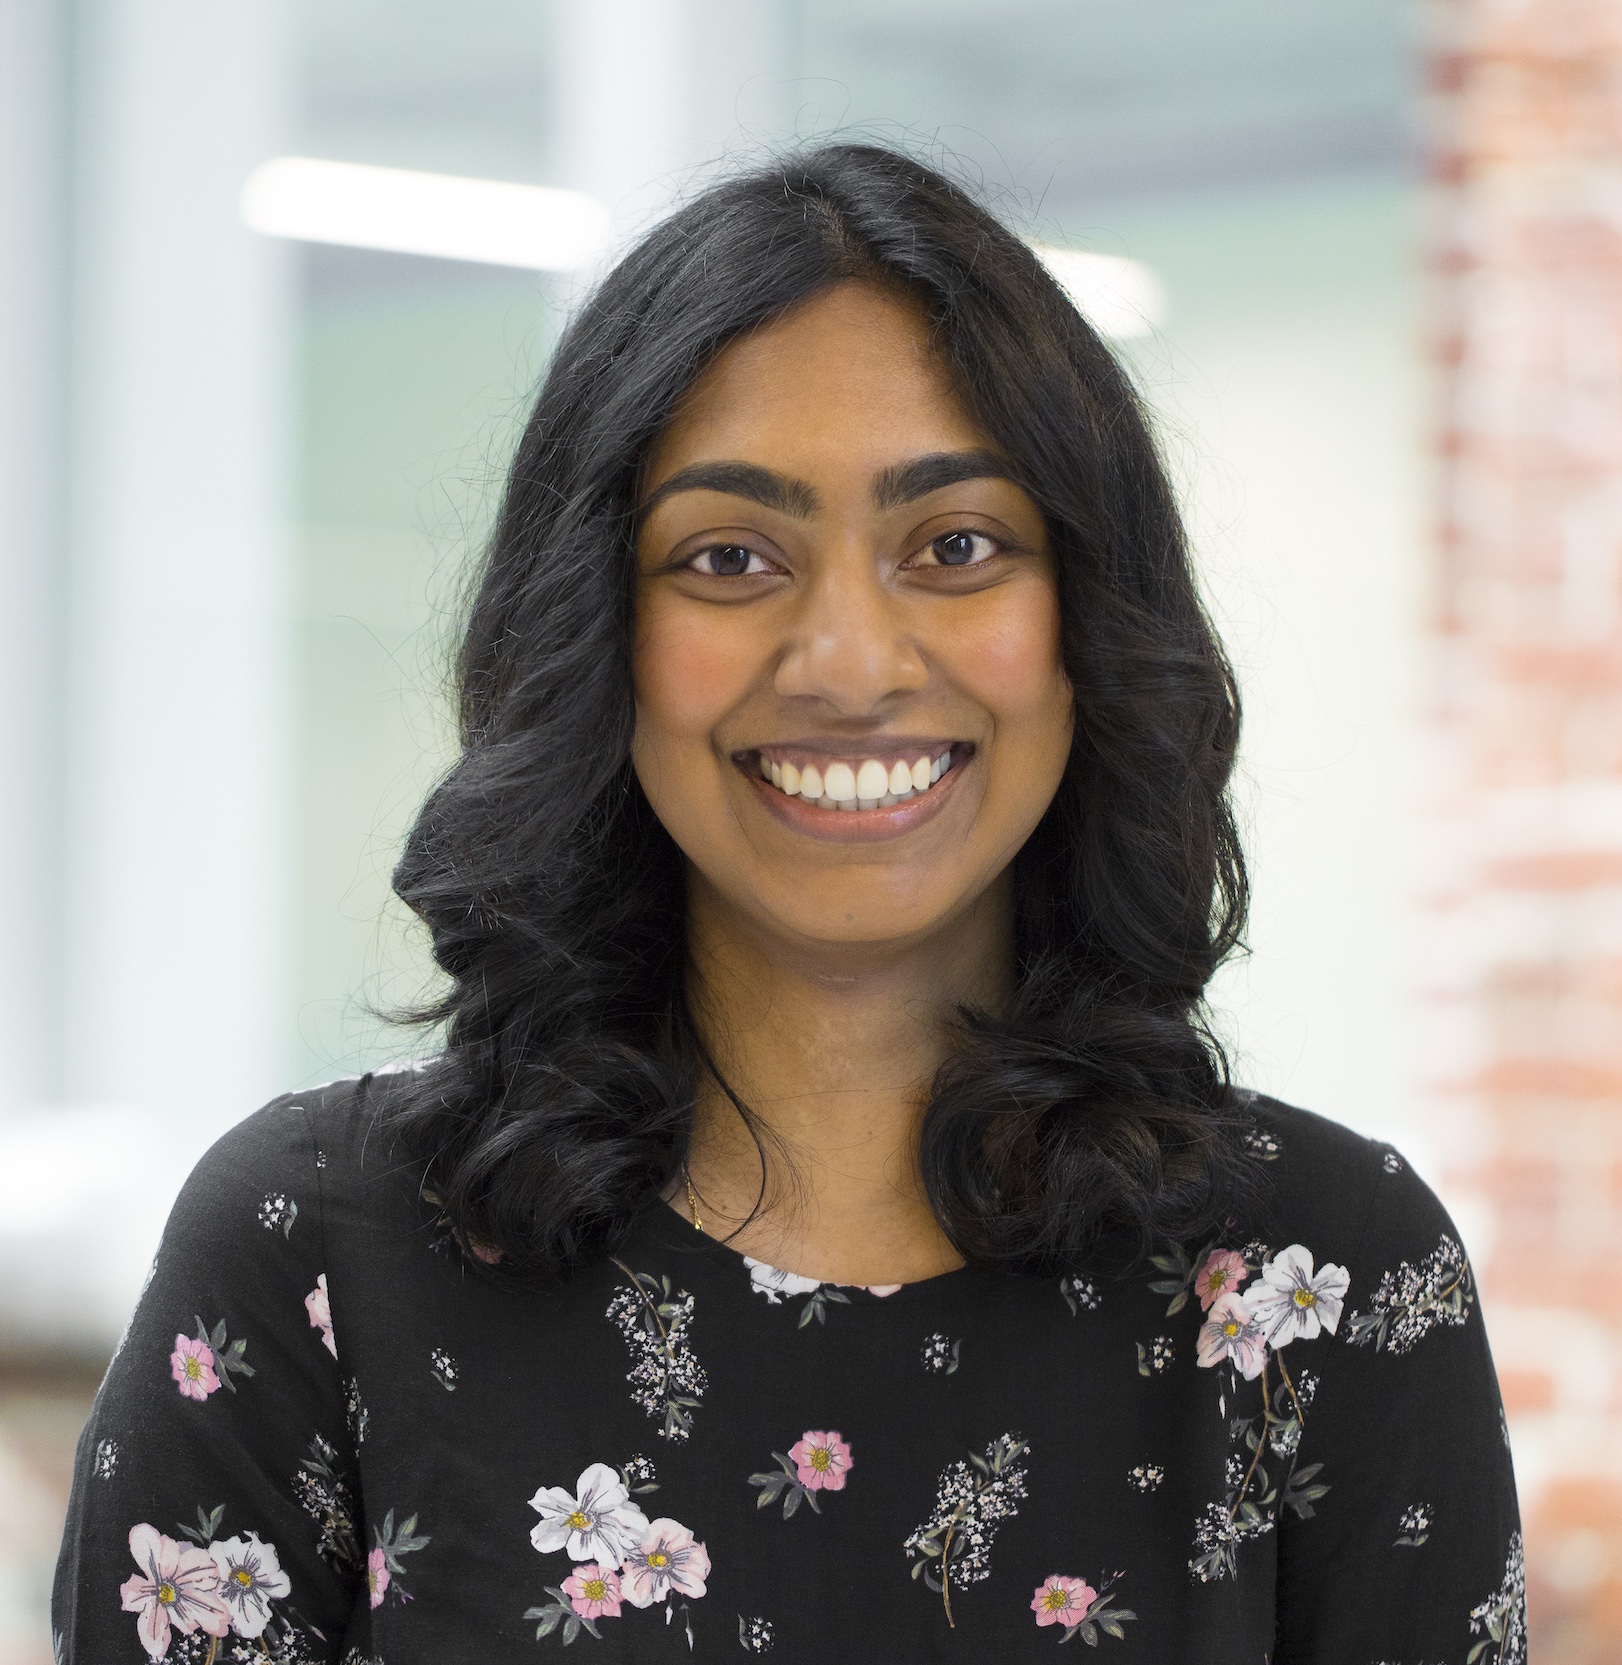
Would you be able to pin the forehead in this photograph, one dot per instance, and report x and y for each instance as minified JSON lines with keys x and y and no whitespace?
{"x":848,"y":381}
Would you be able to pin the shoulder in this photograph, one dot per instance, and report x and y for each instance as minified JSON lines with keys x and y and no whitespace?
{"x":285,"y":1159}
{"x":1349,"y":1199}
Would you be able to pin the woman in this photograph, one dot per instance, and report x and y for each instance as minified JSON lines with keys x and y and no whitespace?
{"x":828,"y":1230}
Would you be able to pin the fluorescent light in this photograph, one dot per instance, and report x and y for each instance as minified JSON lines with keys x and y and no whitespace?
{"x":485,"y":220}
{"x":1120,"y":298}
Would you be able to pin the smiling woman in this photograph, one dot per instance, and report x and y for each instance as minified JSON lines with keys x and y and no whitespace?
{"x":837,"y":856}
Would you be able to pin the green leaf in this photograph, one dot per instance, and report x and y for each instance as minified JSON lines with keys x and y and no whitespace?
{"x":1178,"y":1302}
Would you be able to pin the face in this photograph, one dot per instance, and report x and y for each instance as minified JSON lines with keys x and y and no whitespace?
{"x":850,"y":706}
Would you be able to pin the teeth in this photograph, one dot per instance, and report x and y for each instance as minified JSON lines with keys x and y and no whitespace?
{"x":839,"y":783}
{"x":870,"y":785}
{"x":872,"y":780}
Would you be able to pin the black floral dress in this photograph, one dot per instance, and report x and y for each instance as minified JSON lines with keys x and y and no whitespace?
{"x":330,"y":1435}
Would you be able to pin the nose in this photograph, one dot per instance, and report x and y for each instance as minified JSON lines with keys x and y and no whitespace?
{"x":848,"y":643}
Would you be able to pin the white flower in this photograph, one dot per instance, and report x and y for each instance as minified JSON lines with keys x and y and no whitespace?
{"x":598,"y":1522}
{"x":251,"y":1577}
{"x":1291,"y":1302}
{"x":775,"y":1284}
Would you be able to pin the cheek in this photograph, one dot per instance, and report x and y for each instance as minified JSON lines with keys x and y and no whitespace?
{"x":685,"y":676}
{"x":1010,"y":660}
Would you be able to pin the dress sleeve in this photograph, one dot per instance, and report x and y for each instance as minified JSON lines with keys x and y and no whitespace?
{"x":1407,"y":1543}
{"x":214,"y":1506}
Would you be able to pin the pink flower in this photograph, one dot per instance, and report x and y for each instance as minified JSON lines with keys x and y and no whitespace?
{"x":1232,"y":1334}
{"x":883,"y":1289}
{"x":666,"y":1561}
{"x":1062,"y":1601}
{"x":320,"y":1311}
{"x":1224,"y":1270}
{"x":377,"y":1577}
{"x":192,"y":1366}
{"x":593,"y":1591}
{"x":821,"y":1460}
{"x":180,"y":1589}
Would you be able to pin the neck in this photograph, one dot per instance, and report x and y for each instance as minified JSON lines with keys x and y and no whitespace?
{"x":832,"y":1047}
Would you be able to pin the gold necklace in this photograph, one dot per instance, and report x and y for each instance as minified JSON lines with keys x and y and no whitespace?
{"x":692,"y":1200}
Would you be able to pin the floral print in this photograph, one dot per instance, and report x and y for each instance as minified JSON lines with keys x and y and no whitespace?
{"x":1082,"y":1610}
{"x":1500,"y":1621}
{"x":319,"y":1308}
{"x":816,"y":1462}
{"x":1414,"y":1300}
{"x":178,"y":1588}
{"x":277,"y":1212}
{"x":756,"y":1635}
{"x":1080,"y":1294}
{"x":1292,"y":1302}
{"x":593,"y":1591}
{"x":621,"y":1556}
{"x":251,"y":1577}
{"x":1157,"y":1357}
{"x":777,"y":1285}
{"x":1221,"y":1274}
{"x":666,"y":1379}
{"x":668,"y":1560}
{"x":1414,"y":1525}
{"x":105,"y":1463}
{"x":383,"y":1564}
{"x":326,"y":1496}
{"x":192,"y":1366}
{"x":595,"y":1522}
{"x":1232,"y":1336}
{"x":1057,"y":1597}
{"x":443,"y":1369}
{"x":1146,"y":1477}
{"x":942,"y":1355}
{"x":821,"y":1461}
{"x":973,"y":1500}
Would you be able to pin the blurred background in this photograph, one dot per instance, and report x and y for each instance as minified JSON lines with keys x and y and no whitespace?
{"x":1365,"y":263}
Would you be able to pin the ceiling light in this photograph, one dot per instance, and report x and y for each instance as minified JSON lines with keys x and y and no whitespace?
{"x":485,"y":220}
{"x":1120,"y":298}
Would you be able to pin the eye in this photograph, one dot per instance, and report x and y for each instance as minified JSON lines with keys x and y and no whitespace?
{"x":727,"y":560}
{"x":960,"y":549}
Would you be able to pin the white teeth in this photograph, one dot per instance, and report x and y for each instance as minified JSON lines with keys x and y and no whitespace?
{"x":869,"y":785}
{"x":872,"y":780}
{"x":840,"y":783}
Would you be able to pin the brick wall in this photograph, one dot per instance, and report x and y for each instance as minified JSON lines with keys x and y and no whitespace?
{"x":1523,"y":979}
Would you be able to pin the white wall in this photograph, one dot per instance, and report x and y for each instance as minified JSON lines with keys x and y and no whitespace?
{"x":1289,"y":382}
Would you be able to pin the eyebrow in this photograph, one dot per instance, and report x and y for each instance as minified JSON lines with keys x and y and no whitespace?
{"x":741,"y":479}
{"x":923,"y":475}
{"x":902,"y":483}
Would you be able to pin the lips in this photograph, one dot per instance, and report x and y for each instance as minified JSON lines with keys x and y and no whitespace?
{"x":847,"y":805}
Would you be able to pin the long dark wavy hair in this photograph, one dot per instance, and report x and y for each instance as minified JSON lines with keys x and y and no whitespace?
{"x":1097,"y":1109}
